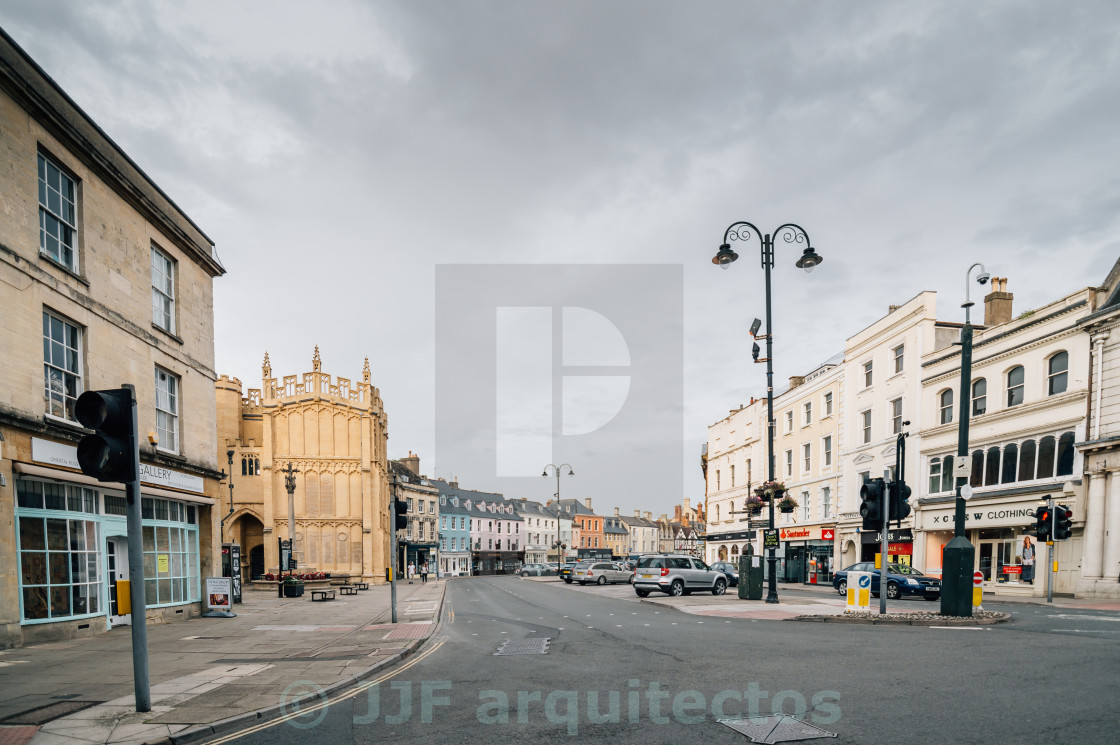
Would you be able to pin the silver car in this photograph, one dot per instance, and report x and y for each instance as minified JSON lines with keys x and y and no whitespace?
{"x":676,"y":574}
{"x":600,"y":572}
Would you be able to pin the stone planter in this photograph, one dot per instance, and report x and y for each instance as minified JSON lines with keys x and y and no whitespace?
{"x":293,"y":589}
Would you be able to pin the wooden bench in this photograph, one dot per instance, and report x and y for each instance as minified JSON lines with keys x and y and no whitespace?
{"x":362,"y":585}
{"x":348,"y":590}
{"x":338,"y":582}
{"x":322,"y":595}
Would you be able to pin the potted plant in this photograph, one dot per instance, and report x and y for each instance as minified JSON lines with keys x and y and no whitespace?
{"x":293,"y":587}
{"x":754,"y":504}
{"x":787,"y":504}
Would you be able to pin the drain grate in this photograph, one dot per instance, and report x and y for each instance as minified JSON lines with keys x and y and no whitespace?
{"x":776,"y":729}
{"x":48,"y":713}
{"x":524,"y":646}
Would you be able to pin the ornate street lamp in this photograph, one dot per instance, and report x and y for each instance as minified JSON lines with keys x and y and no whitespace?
{"x":959,"y":554}
{"x":790,"y":234}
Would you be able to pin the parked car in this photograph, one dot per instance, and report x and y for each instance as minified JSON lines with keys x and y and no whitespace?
{"x":676,"y":574}
{"x":901,"y":580}
{"x":601,"y":572}
{"x":566,"y":572}
{"x":537,"y":570}
{"x":729,"y":570}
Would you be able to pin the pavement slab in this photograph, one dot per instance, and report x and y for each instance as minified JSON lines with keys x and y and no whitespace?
{"x":203,"y":670}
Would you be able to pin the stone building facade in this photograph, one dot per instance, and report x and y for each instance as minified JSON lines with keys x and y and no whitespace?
{"x":335,"y":434}
{"x":104,"y":281}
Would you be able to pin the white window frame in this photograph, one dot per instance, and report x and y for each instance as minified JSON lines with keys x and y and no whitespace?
{"x":868,"y":373}
{"x":827,"y":404}
{"x":898,"y":354}
{"x":806,"y":457}
{"x":163,"y":290}
{"x":865,"y":427}
{"x":167,"y":409}
{"x":789,"y":463}
{"x":789,"y":421}
{"x":1052,"y":376}
{"x":896,"y":415}
{"x":826,"y":502}
{"x":983,"y":396}
{"x":826,"y":451}
{"x":64,"y":217}
{"x":61,"y":384}
{"x":945,"y":413}
{"x":806,"y":413}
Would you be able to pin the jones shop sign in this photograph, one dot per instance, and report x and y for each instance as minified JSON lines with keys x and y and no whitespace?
{"x":999,"y":516}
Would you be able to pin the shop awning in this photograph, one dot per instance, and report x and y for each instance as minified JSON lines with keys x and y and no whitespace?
{"x":80,"y":478}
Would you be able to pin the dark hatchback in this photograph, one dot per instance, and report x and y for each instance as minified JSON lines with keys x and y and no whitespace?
{"x":901,"y":580}
{"x":729,"y":570}
{"x":566,"y":572}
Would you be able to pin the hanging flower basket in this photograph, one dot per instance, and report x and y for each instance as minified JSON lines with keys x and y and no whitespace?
{"x":770,"y":490}
{"x":787,"y":504}
{"x":754,"y":504}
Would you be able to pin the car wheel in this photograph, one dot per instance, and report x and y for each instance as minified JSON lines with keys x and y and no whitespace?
{"x":933,"y":597}
{"x":602,"y":581}
{"x":631,"y":580}
{"x":582,"y":583}
{"x":568,"y":580}
{"x":677,"y":588}
{"x":641,"y":593}
{"x":719,"y":587}
{"x":892,"y":591}
{"x":842,"y":586}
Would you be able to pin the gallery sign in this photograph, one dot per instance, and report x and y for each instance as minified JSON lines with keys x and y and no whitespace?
{"x":61,"y":454}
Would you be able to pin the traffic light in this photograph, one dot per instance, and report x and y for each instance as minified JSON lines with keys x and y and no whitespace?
{"x":755,"y":351}
{"x":110,"y":453}
{"x":401,"y":508}
{"x":1042,"y":524}
{"x":872,"y":508}
{"x":1063,"y":518}
{"x":898,"y":507}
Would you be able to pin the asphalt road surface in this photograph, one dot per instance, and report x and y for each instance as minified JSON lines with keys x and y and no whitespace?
{"x":622,"y":671}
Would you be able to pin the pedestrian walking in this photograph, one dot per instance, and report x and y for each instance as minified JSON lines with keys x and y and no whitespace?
{"x":1028,"y":560}
{"x":424,"y":572}
{"x":411,"y":571}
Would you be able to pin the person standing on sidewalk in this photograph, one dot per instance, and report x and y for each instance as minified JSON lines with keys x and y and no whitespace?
{"x":1028,"y":560}
{"x":424,"y":572}
{"x":411,"y":571}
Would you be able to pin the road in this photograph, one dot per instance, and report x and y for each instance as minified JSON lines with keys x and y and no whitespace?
{"x":623,"y":671}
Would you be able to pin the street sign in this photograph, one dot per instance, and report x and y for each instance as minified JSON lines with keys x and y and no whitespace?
{"x":827,"y":534}
{"x":978,"y":578}
{"x":966,"y":492}
{"x":858,"y":592}
{"x":770,"y":538}
{"x":962,"y":466}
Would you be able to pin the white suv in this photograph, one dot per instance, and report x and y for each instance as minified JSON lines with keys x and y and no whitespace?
{"x":676,"y":574}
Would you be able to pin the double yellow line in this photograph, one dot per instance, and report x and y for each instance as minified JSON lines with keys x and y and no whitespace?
{"x":365,"y":685}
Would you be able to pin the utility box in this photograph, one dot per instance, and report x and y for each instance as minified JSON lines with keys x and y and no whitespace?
{"x":750,"y":577}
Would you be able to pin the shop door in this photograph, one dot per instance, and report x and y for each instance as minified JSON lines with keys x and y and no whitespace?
{"x":116,"y":574}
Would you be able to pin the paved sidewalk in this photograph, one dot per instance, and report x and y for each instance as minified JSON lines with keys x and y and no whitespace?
{"x":207,"y":669}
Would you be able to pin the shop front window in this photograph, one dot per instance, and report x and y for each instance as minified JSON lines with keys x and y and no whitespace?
{"x":60,"y":569}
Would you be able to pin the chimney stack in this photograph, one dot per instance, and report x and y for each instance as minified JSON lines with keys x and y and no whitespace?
{"x":638,"y":514}
{"x":616,"y":512}
{"x":412,"y":463}
{"x":647,"y":514}
{"x":587,"y":501}
{"x":796,"y":380}
{"x":997,"y":304}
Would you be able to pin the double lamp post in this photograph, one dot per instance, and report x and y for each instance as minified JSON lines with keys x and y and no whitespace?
{"x":557,"y":544}
{"x":796,"y":236}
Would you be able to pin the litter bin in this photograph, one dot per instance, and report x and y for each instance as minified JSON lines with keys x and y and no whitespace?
{"x":750,"y":577}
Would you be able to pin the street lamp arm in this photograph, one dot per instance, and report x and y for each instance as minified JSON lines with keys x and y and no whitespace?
{"x":793,"y":233}
{"x":737,"y":231}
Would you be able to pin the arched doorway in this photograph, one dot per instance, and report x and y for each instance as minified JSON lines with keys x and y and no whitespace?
{"x":723,"y":553}
{"x":249,"y":532}
{"x":734,"y":550}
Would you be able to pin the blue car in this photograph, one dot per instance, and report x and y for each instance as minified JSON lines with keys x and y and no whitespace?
{"x":901,"y":580}
{"x":730,"y":571}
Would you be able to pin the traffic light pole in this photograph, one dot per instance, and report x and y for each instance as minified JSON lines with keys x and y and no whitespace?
{"x":885,"y":545}
{"x":136,"y":571}
{"x":393,"y":540}
{"x":1050,"y":551}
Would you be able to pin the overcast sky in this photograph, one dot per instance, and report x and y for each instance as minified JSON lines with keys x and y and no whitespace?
{"x":337,"y":153}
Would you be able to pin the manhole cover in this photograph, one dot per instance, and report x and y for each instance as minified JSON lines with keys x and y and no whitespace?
{"x":524,"y":646}
{"x":48,"y":713}
{"x":776,"y":729}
